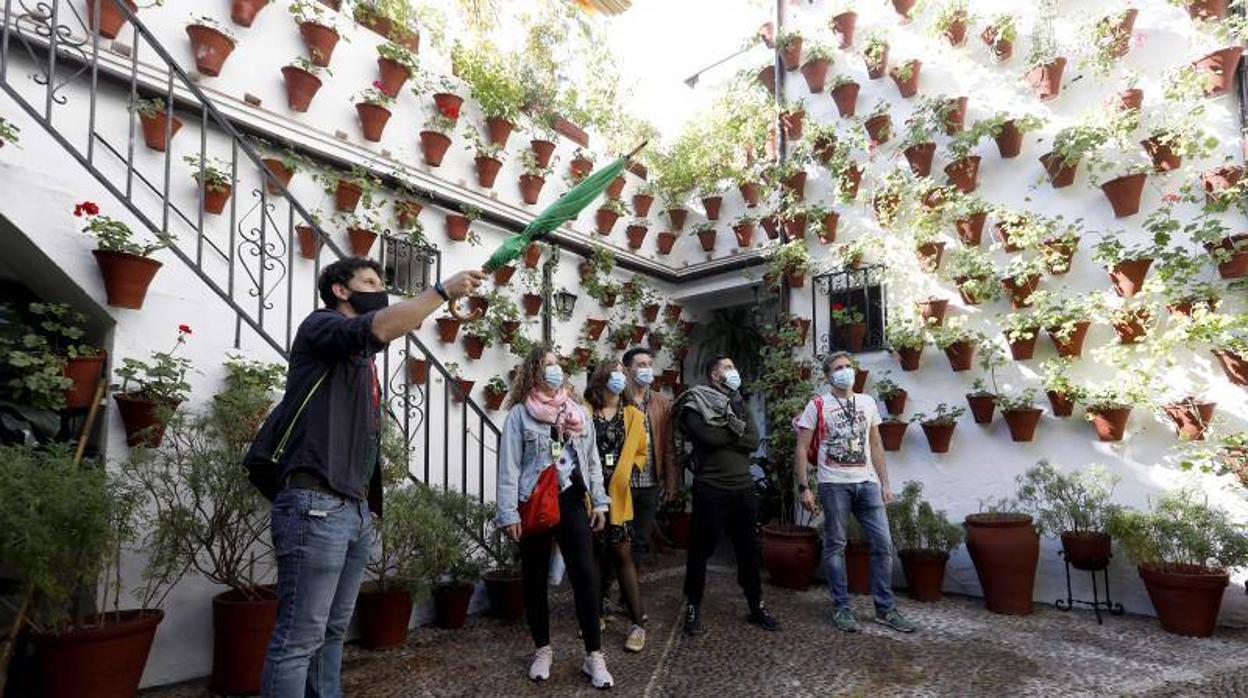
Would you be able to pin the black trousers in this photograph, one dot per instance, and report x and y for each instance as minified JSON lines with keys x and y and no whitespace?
{"x":716,"y":511}
{"x":645,"y":507}
{"x":577,"y":545}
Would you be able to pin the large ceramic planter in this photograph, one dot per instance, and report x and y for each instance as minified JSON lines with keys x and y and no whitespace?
{"x":99,"y":660}
{"x":925,"y":573}
{"x":154,"y":127}
{"x":450,"y":605}
{"x":241,"y":631}
{"x":1124,"y":193}
{"x":112,"y":19}
{"x":433,"y":146}
{"x":505,"y":589}
{"x":892,"y":434}
{"x":1022,"y":423}
{"x":320,"y":41}
{"x":126,"y":277}
{"x":1187,"y":599}
{"x":1046,"y":80}
{"x":845,"y":96}
{"x":939,"y":435}
{"x":1111,"y":424}
{"x":301,"y":87}
{"x":1128,"y":276}
{"x":1086,"y":550}
{"x":210,"y":47}
{"x":790,"y":554}
{"x":1005,"y":549}
{"x":383,"y":617}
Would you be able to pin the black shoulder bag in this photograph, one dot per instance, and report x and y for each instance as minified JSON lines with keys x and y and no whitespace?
{"x":262,"y":468}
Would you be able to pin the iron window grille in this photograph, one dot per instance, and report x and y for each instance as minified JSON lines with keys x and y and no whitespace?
{"x":862,"y":290}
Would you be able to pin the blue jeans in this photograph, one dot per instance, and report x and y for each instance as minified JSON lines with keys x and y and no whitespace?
{"x":321,"y":542}
{"x":865,"y":501}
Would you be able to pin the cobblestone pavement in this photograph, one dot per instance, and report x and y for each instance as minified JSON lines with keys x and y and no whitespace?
{"x":961,"y":650}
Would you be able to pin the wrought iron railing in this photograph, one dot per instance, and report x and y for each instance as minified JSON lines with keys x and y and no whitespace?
{"x":83,"y":89}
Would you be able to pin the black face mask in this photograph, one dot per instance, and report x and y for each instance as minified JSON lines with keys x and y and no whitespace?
{"x":368,"y":301}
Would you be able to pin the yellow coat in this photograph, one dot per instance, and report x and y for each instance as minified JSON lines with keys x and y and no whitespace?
{"x":633,"y":455}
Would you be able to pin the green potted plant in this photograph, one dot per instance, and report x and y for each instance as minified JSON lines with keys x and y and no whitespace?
{"x":211,"y":176}
{"x":974,"y":273}
{"x":790,"y":261}
{"x":938,"y":426}
{"x":1066,"y":319}
{"x":149,"y":392}
{"x":1008,"y":131}
{"x":1184,"y":548}
{"x":455,"y":551}
{"x":1063,"y":393}
{"x":9,"y":131}
{"x":905,"y":75}
{"x":1020,"y":413}
{"x":303,"y":79}
{"x":818,"y":59}
{"x":1005,"y":549}
{"x":1045,"y":63}
{"x":396,"y":65}
{"x":1021,"y":330}
{"x":957,"y":342}
{"x":1073,"y":506}
{"x":1109,"y":406}
{"x":969,"y":213}
{"x":875,"y":54}
{"x":1000,"y":35}
{"x":211,"y":43}
{"x":124,"y":263}
{"x":1120,"y":171}
{"x":963,"y":168}
{"x":952,"y":20}
{"x":373,"y":105}
{"x":487,"y":155}
{"x":1058,"y":246}
{"x":924,"y":537}
{"x":879,"y":124}
{"x":1020,"y":278}
{"x":1127,"y":264}
{"x":908,"y":340}
{"x":1107,"y":39}
{"x":48,"y":364}
{"x":319,"y":30}
{"x":495,"y":83}
{"x":892,"y":395}
{"x":1071,"y":146}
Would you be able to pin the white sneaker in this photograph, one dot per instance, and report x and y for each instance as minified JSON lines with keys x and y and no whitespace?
{"x":540,"y":669}
{"x":636,"y":640}
{"x":595,"y":666}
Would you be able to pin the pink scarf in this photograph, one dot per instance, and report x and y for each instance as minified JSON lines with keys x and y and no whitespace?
{"x":557,"y":409}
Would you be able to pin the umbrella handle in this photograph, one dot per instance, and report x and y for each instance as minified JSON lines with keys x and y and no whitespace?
{"x":637,"y":149}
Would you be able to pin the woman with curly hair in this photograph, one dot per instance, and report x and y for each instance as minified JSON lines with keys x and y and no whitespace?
{"x":546,"y":428}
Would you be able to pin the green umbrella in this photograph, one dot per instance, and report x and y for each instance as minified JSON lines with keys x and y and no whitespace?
{"x":568,"y":206}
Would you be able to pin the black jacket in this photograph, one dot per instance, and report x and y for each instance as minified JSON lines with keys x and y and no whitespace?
{"x":721,"y":458}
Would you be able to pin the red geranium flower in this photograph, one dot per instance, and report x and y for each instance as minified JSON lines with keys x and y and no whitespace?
{"x":450,"y":111}
{"x":86,"y":207}
{"x":184,"y":329}
{"x":838,"y":306}
{"x":1171,"y":197}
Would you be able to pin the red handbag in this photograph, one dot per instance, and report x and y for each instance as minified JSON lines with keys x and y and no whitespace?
{"x":812,"y":451}
{"x":540,"y":512}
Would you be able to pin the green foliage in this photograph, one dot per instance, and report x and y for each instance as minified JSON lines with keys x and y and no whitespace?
{"x":785,"y":394}
{"x":492,"y":76}
{"x":163,"y":380}
{"x":789,"y":258}
{"x":112,"y":235}
{"x":906,"y":335}
{"x":33,"y":351}
{"x":1073,"y":143}
{"x":1044,"y":44}
{"x":451,"y":538}
{"x":1056,"y":374}
{"x":399,"y":54}
{"x":944,"y":414}
{"x":886,"y":388}
{"x":1060,"y":502}
{"x":211,"y":171}
{"x":915,"y":525}
{"x":8,"y":132}
{"x":1009,"y":402}
{"x":1181,"y":529}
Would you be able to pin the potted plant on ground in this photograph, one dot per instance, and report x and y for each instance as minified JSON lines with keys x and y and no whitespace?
{"x":1005,"y":549}
{"x":1073,"y":506}
{"x":149,"y":393}
{"x":1000,"y":35}
{"x":455,"y":551}
{"x":938,"y":426}
{"x":957,"y":342}
{"x":211,"y":44}
{"x":124,"y":263}
{"x":504,"y":583}
{"x":924,"y":537}
{"x":318,"y":28}
{"x":1184,"y":549}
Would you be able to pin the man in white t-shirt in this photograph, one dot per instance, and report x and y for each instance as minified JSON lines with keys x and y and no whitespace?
{"x":853,"y":478}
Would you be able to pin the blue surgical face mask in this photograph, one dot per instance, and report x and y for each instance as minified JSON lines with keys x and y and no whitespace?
{"x":645,"y":376}
{"x":843,"y":378}
{"x":616,"y":382}
{"x":554,"y":376}
{"x":732,"y":379}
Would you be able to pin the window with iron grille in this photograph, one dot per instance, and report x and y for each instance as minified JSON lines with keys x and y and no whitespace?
{"x":849,"y":310}
{"x":408,"y":267}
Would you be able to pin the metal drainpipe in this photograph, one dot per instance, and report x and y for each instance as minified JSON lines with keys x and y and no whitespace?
{"x":1242,"y":79}
{"x":548,"y":296}
{"x":781,"y":141}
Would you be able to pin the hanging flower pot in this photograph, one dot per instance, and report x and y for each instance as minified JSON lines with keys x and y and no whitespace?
{"x":903,"y":8}
{"x":1233,"y":365}
{"x":1206,"y":10}
{"x":651,"y":312}
{"x":301,"y":87}
{"x":112,"y":19}
{"x":507,"y":330}
{"x":616,"y":187}
{"x":920,"y":157}
{"x":960,"y":355}
{"x":790,"y":554}
{"x":474,"y":346}
{"x":433,"y":146}
{"x":955,"y":115}
{"x":1128,"y":276}
{"x":604,"y":220}
{"x":1022,"y":423}
{"x":929,"y":254}
{"x":1060,"y":174}
{"x":1186,"y":597}
{"x":1234,"y":250}
{"x":281,"y":175}
{"x":906,"y":77}
{"x":407,"y":211}
{"x":498,"y":130}
{"x":860,"y":379}
{"x":1124,"y":193}
{"x":794,"y":184}
{"x":83,"y":373}
{"x":320,"y":41}
{"x":795,"y":279}
{"x":636,"y":236}
{"x":532,"y":303}
{"x":711,"y":205}
{"x":1020,"y":290}
{"x":939,"y":435}
{"x":1046,"y":80}
{"x":744,"y":233}
{"x":879,"y":128}
{"x":1058,"y":256}
{"x":392,"y":75}
{"x":1005,"y":550}
{"x":448,"y":104}
{"x":641,"y":205}
{"x":1009,"y":140}
{"x":215,"y":197}
{"x":795,"y":226}
{"x":850,"y":180}
{"x":1187,"y":307}
{"x":361,"y":241}
{"x":896,"y":404}
{"x":791,"y":53}
{"x":104,"y":656}
{"x":154,"y":127}
{"x":457,"y":227}
{"x":771,"y":226}
{"x":543,"y":150}
{"x":494,"y":401}
{"x":910,"y":358}
{"x":707,"y":238}
{"x":767,"y":77}
{"x":964,"y":173}
{"x":892,"y":433}
{"x":971,"y":229}
{"x":666,"y":240}
{"x":982,"y":407}
{"x":383,"y":617}
{"x":461,"y":389}
{"x":1122,"y":32}
{"x":677,"y":216}
{"x":1190,"y":418}
{"x":852,"y":336}
{"x":1072,"y":345}
{"x":933,"y":311}
{"x":1163,"y":156}
{"x":1127,"y":100}
{"x":968,"y":295}
{"x":955,"y":33}
{"x":143,"y":419}
{"x":1132,"y":327}
{"x":844,"y":24}
{"x":1061,"y":403}
{"x":126,"y":277}
{"x":1218,"y":70}
{"x":448,"y":329}
{"x":827,"y":228}
{"x":1216,"y":182}
{"x":487,"y":171}
{"x":310,"y":242}
{"x":791,"y":122}
{"x":1110,"y":423}
{"x":816,"y":74}
{"x":845,"y":96}
{"x":211,"y":48}
{"x":373,"y":120}
{"x":502,"y":275}
{"x":1023,"y":348}
{"x":531,"y":188}
{"x":749,"y":193}
{"x":1002,"y":49}
{"x":877,"y":63}
{"x":347,"y":195}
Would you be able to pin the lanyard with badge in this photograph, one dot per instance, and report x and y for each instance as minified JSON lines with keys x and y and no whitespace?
{"x":850,"y":411}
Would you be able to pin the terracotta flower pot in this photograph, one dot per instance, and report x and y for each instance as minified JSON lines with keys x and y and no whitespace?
{"x":616,"y":187}
{"x":450,"y":605}
{"x":956,"y":31}
{"x":1163,"y":156}
{"x":448,"y":103}
{"x":983,"y":407}
{"x":790,"y":554}
{"x":791,"y":55}
{"x":925,"y":573}
{"x":1058,"y":256}
{"x":852,"y":336}
{"x":964,"y":173}
{"x":1009,"y":140}
{"x":1060,"y":174}
{"x":960,"y":355}
{"x":532,"y":304}
{"x":211,"y":48}
{"x":320,"y":41}
{"x":1111,"y":424}
{"x":877,"y":66}
{"x":767,"y":78}
{"x":142,"y":419}
{"x":711,"y":205}
{"x":505,"y":589}
{"x":749,"y":194}
{"x":280,"y":176}
{"x":154,"y":127}
{"x":112,"y":19}
{"x":744,"y":233}
{"x":1062,"y":404}
{"x":795,"y":280}
{"x":502,"y":275}
{"x":1024,"y":349}
{"x":879,"y":128}
{"x":1191,"y":418}
{"x":104,"y":658}
{"x":1218,"y":180}
{"x":816,"y":74}
{"x":707,"y":239}
{"x":1128,"y":276}
{"x":433,"y":147}
{"x":1002,"y":49}
{"x":448,"y":328}
{"x":1187,"y":598}
{"x":373,"y":120}
{"x":531,"y":188}
{"x":1022,"y":423}
{"x":310,"y":242}
{"x":1122,"y":32}
{"x":929,"y":254}
{"x":126,"y":277}
{"x":1233,"y":365}
{"x":641,"y":205}
{"x":580,"y":168}
{"x":850,"y":181}
{"x":494,"y":398}
{"x":461,"y":389}
{"x":543,"y":150}
{"x":498,"y":130}
{"x":1131,"y":328}
{"x":903,"y":8}
{"x":636,"y":236}
{"x":301,"y":87}
{"x":845,"y":24}
{"x":860,"y":380}
{"x":794,"y":184}
{"x":1124,"y":193}
{"x":677,"y":216}
{"x":1020,"y":290}
{"x":457,"y":227}
{"x":846,"y":98}
{"x":1046,"y":80}
{"x":1236,"y":264}
{"x":920,"y":157}
{"x":347,"y":196}
{"x":1005,"y":549}
{"x":1086,"y":550}
{"x":795,"y":227}
{"x":938,"y":436}
{"x":391,"y":76}
{"x":1218,"y":69}
{"x":417,"y":371}
{"x":665,"y":242}
{"x":216,"y":197}
{"x":827,"y":228}
{"x":650,"y":312}
{"x":909,"y":358}
{"x":1072,"y":346}
{"x":933,"y":310}
{"x":507,"y":330}
{"x":897,"y":403}
{"x":907,"y":78}
{"x":474,"y":346}
{"x":83,"y":373}
{"x":955,"y":117}
{"x":971,"y":229}
{"x":968,"y":297}
{"x":383,"y":617}
{"x":361,"y":241}
{"x":594,"y":328}
{"x":771,"y":226}
{"x":1207,"y":9}
{"x":604,"y":220}
{"x":892,"y":434}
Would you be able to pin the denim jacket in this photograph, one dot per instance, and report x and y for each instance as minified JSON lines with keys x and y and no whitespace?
{"x":524,"y":450}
